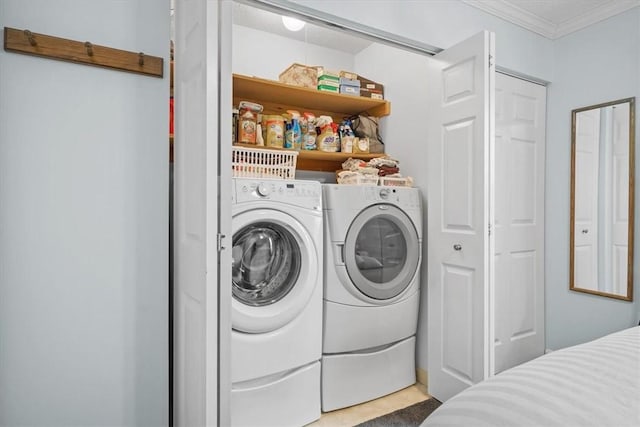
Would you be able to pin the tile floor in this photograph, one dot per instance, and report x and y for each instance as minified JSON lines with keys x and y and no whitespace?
{"x":357,"y":414}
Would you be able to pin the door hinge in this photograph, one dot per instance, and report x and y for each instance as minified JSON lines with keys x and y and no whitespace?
{"x":220,"y":237}
{"x":490,"y":61}
{"x":489,"y":229}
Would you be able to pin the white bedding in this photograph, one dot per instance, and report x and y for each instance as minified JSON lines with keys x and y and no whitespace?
{"x":591,"y":384}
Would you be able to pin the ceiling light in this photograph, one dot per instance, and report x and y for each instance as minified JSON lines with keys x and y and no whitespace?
{"x":292,"y":24}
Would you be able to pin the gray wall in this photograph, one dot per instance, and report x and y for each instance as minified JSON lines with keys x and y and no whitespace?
{"x":83,"y":222}
{"x":598,"y":64}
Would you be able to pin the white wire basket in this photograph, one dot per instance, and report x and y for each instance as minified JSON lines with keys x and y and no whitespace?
{"x":263,"y":163}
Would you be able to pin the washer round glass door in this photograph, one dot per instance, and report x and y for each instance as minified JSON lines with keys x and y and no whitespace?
{"x":382,"y":251}
{"x":274,"y":268}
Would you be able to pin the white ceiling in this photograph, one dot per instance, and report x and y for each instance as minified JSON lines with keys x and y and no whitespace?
{"x":549,"y":18}
{"x":553,"y":18}
{"x":269,"y":22}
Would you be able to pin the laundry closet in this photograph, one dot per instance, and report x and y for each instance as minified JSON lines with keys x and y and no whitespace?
{"x":483,"y":201}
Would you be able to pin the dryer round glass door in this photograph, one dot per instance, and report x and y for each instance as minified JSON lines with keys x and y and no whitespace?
{"x":382,"y":251}
{"x":273,"y":270}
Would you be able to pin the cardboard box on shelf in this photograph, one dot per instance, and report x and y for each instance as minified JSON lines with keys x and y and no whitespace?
{"x":326,"y":88}
{"x":376,"y":87}
{"x":349,"y":82}
{"x":300,"y":75}
{"x":350,"y":90}
{"x":348,"y":75}
{"x":371,"y":93}
{"x":349,"y":86}
{"x":329,"y":81}
{"x":323,"y":72}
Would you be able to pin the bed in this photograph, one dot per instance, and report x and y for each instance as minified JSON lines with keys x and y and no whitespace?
{"x":591,"y":384}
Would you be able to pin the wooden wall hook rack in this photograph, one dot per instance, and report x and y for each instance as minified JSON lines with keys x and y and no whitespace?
{"x":29,"y":43}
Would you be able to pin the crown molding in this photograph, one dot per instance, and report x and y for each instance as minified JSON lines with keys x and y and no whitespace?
{"x":597,"y":14}
{"x":515,"y":15}
{"x":518,"y":16}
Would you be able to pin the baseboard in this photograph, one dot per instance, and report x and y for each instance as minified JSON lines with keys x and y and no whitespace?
{"x":423,"y":380}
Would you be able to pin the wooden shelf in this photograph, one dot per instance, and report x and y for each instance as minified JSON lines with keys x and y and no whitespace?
{"x":278,"y":97}
{"x":328,"y":162}
{"x":313,"y":160}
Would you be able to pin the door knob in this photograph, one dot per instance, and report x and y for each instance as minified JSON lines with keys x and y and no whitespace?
{"x":457,"y":247}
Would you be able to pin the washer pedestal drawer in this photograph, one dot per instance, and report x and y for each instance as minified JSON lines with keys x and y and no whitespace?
{"x":352,"y":378}
{"x":291,"y":399}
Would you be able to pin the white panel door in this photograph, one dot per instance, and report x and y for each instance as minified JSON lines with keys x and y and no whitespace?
{"x":459,"y":136}
{"x":586,"y":200}
{"x":201,"y":342}
{"x":519,"y":221}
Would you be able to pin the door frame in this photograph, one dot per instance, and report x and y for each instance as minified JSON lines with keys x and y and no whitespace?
{"x":202,"y":222}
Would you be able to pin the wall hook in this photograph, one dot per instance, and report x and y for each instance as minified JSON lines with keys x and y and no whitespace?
{"x":84,"y":52}
{"x":32,"y":39}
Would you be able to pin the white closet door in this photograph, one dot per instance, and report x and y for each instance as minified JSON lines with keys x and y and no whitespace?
{"x":459,"y":136}
{"x":201,"y":391}
{"x":519,"y":221}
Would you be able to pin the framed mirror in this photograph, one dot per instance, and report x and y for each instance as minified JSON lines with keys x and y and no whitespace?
{"x":602,"y":205}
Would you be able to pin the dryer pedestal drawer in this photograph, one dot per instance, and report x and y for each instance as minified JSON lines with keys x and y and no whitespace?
{"x":352,"y":378}
{"x":353,"y":328}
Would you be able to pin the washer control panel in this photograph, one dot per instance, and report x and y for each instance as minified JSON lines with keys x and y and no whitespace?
{"x":300,"y":193}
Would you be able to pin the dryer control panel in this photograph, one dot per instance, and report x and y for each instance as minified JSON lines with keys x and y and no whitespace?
{"x":306,"y":194}
{"x":401,"y":196}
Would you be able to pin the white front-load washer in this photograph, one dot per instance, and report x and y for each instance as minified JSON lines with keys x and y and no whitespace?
{"x":276,"y":340}
{"x":373,"y":253}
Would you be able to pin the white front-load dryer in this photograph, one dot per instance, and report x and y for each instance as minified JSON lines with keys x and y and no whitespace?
{"x":276,"y":340}
{"x":373,"y":253}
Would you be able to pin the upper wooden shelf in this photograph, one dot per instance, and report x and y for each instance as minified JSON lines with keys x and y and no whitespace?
{"x":278,"y":97}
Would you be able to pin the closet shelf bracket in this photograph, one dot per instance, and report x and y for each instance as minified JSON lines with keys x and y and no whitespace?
{"x":81,"y":52}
